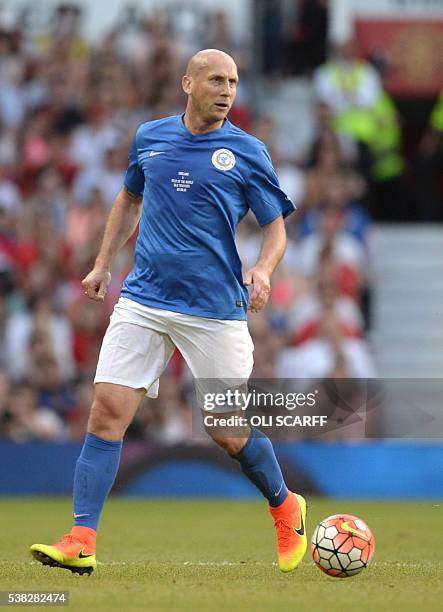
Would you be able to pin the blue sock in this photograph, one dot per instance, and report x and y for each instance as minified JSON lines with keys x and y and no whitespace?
{"x":95,"y":472}
{"x":259,"y":463}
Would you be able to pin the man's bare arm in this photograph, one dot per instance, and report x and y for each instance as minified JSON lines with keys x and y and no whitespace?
{"x":121,"y":224}
{"x":259,"y":277}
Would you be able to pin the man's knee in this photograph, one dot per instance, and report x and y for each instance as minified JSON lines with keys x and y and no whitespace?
{"x":231,"y":445}
{"x":230,"y":438}
{"x":105,"y":420}
{"x":112,"y":411}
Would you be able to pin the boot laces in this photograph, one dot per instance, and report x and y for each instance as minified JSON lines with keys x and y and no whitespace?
{"x":67,"y":538}
{"x":284,"y":533}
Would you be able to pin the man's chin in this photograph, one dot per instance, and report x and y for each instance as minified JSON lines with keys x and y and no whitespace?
{"x":215,"y":116}
{"x":220,"y":114}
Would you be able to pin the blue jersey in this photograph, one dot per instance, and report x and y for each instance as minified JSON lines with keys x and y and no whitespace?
{"x":196,"y":189}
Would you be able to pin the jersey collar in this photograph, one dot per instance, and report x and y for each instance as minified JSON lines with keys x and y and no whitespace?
{"x":184,"y":130}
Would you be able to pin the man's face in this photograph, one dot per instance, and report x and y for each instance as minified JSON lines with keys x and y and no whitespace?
{"x":212,"y":89}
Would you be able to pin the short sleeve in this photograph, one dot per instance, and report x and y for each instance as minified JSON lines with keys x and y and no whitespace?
{"x":134,"y":178}
{"x":264,"y":195}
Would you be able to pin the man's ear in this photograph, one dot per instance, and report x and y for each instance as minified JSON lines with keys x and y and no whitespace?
{"x":186,"y":84}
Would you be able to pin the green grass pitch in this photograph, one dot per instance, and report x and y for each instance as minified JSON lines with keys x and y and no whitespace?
{"x":220,"y":555}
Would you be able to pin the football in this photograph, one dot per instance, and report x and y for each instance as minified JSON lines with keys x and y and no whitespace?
{"x":342,"y":545}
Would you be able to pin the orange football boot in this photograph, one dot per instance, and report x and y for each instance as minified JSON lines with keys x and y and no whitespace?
{"x":290,"y":524}
{"x":75,"y":551}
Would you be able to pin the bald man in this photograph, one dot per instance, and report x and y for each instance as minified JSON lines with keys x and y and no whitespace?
{"x":191,"y":178}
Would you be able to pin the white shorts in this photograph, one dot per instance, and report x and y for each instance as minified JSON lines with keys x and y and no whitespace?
{"x":140,"y":341}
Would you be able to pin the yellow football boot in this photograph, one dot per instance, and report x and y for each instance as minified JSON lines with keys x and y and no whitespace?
{"x":290,"y":524}
{"x":75,"y":551}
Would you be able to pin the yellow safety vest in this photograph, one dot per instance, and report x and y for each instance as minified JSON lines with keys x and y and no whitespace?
{"x":385,"y":143}
{"x":355,"y":122}
{"x":436,"y":120}
{"x":378,"y":128}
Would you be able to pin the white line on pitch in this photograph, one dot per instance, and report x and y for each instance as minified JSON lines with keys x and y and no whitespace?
{"x":191,"y":563}
{"x":425,"y":564}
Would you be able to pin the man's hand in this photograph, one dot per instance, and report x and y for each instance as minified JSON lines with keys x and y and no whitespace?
{"x":96,"y":284}
{"x":259,"y":282}
{"x":258,"y":278}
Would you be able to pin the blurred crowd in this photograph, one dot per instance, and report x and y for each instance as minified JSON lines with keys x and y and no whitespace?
{"x":68,"y":113}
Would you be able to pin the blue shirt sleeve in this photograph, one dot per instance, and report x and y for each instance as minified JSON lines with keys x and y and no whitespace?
{"x":134,"y":178}
{"x":263,"y":192}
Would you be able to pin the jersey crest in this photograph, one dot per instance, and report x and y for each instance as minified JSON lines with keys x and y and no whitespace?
{"x":223,"y":159}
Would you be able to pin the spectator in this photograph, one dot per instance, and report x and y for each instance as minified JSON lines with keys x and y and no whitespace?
{"x":347,"y":86}
{"x":364,"y":114}
{"x":334,"y":243}
{"x":338,"y":194}
{"x":28,"y":421}
{"x":107,"y":180}
{"x":27,"y":330}
{"x":91,"y":140}
{"x":85,"y":222}
{"x":327,"y":335}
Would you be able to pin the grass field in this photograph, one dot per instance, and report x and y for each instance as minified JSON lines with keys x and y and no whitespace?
{"x":220,"y":555}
